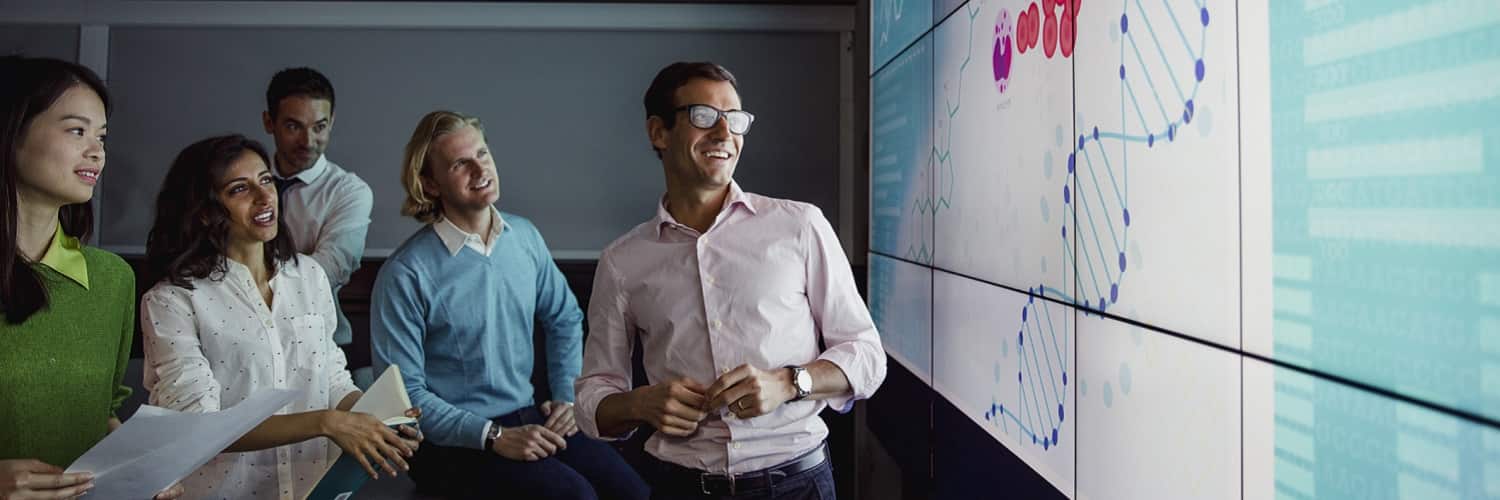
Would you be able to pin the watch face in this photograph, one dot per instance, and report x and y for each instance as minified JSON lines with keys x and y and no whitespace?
{"x":804,"y":381}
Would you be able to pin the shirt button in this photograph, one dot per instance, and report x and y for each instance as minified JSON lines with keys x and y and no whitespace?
{"x":717,"y":324}
{"x":736,"y":446}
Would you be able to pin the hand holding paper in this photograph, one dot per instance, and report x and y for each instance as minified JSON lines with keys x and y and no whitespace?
{"x":30,"y":478}
{"x":158,"y":447}
{"x":368,"y":441}
{"x":385,"y":405}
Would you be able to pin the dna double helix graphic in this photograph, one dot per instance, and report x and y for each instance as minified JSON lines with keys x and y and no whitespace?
{"x":1154,"y":107}
{"x":1157,"y":94}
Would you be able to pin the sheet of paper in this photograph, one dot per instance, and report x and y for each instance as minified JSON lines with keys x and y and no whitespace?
{"x":386,"y":399}
{"x":158,"y":447}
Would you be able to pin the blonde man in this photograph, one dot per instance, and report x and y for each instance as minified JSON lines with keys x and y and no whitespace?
{"x":455,"y":307}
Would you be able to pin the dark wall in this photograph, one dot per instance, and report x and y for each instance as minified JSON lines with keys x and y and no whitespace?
{"x":562,"y":112}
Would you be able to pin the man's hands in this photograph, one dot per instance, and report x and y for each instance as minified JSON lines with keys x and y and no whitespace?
{"x":751,"y":392}
{"x":675,"y":408}
{"x":528,"y":443}
{"x":560,"y":417}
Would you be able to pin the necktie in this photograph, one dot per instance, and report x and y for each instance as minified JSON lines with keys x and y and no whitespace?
{"x":282,"y":185}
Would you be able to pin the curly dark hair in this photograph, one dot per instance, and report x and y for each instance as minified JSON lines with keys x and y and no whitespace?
{"x":30,"y":86}
{"x":191,"y":231}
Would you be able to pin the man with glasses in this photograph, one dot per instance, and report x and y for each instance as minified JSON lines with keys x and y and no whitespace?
{"x":746,"y":308}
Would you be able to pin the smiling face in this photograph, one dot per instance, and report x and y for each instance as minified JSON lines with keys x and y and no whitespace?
{"x":301,"y":127}
{"x":460,"y":173}
{"x":699,"y":158}
{"x":248,"y":194}
{"x":62,"y":153}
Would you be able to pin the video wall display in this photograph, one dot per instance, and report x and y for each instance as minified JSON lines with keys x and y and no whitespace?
{"x":1199,"y":248}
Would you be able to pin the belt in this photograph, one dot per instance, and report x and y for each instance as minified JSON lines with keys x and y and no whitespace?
{"x":721,"y":484}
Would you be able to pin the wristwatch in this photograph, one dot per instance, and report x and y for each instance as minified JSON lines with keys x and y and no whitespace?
{"x":802,"y":381}
{"x":489,"y":439}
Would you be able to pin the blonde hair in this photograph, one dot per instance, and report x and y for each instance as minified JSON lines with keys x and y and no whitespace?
{"x":434,"y":125}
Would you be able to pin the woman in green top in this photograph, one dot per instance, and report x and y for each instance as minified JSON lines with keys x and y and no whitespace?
{"x":69,"y":310}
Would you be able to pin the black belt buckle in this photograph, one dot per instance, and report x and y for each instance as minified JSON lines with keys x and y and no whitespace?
{"x":705,"y":477}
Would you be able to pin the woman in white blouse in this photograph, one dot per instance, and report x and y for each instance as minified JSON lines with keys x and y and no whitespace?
{"x":236,"y":311}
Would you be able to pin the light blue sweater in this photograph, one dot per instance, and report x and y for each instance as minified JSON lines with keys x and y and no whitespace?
{"x":460,"y":327}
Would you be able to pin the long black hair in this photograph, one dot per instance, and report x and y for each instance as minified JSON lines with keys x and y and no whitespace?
{"x":191,"y":231}
{"x":31,"y":86}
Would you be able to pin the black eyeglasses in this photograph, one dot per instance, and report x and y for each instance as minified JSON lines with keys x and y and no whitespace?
{"x":705,"y":117}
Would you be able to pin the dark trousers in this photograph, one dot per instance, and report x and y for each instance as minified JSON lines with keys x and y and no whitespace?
{"x":668,"y":483}
{"x":586,"y":470}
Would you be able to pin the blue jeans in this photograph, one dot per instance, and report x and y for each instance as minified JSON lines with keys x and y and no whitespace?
{"x":586,"y":470}
{"x":812,"y":484}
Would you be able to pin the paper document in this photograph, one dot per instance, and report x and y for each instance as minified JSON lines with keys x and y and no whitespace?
{"x":387,"y":401}
{"x":158,"y":447}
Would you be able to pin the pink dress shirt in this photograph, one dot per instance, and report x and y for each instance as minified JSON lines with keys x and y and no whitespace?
{"x":761,"y":286}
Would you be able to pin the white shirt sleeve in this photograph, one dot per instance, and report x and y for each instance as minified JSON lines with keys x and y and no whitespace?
{"x":341,"y":241}
{"x":177,"y":373}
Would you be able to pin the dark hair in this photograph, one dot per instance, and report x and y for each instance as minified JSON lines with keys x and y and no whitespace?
{"x":661,"y":96}
{"x":191,"y":230}
{"x":298,"y":81}
{"x":29,"y":87}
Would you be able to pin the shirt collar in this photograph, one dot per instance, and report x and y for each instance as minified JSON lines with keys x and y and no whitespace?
{"x":310,"y":174}
{"x":65,"y":255}
{"x":736,"y":196}
{"x":456,"y":239}
{"x":234,"y":269}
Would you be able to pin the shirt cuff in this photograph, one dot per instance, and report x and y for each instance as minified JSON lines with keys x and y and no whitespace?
{"x":341,"y":393}
{"x":585,"y":413}
{"x":485,"y":434}
{"x":610,"y":439}
{"x":845,"y":402}
{"x":469,"y":425}
{"x":564,"y":393}
{"x":841,"y":404}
